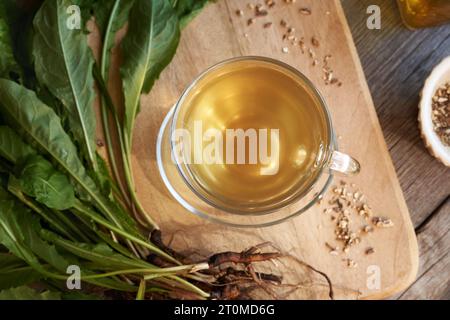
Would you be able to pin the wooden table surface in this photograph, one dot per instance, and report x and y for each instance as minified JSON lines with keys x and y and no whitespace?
{"x":396,"y":62}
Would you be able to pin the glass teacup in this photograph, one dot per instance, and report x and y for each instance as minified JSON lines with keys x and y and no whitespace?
{"x":250,"y":143}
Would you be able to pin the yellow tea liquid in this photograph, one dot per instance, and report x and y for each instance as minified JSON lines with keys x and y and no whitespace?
{"x":254,"y":94}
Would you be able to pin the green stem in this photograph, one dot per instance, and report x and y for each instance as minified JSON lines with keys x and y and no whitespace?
{"x":123,"y":143}
{"x":92,"y":281}
{"x":162,"y":271}
{"x":80,"y":207}
{"x":106,"y":107}
{"x":72,"y":226}
{"x":141,"y":292}
{"x":117,"y":246}
{"x":85,"y":226}
{"x":56,"y":224}
{"x":126,"y":163}
{"x":128,"y":169}
{"x":125,"y":149}
{"x":190,"y":286}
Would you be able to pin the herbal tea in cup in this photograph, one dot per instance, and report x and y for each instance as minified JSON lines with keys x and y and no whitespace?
{"x":252,"y":135}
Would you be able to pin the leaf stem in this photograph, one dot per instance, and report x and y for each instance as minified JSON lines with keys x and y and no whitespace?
{"x":190,"y":286}
{"x":123,"y":143}
{"x":151,"y":271}
{"x":106,"y":107}
{"x":128,"y":170}
{"x":80,"y":207}
{"x":141,"y":292}
{"x":56,"y":224}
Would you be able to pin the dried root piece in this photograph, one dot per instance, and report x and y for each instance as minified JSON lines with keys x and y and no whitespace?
{"x":232,"y":275}
{"x":302,"y":263}
{"x":228,"y":292}
{"x":441,"y":113}
{"x":382,"y":222}
{"x":305,"y":11}
{"x":243,"y":258}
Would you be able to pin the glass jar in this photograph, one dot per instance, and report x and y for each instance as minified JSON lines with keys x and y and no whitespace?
{"x":424,"y":13}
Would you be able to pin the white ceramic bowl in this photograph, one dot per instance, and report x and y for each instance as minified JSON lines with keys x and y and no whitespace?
{"x":438,"y":77}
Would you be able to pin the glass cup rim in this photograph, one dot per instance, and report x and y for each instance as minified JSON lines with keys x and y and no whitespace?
{"x":330,"y":147}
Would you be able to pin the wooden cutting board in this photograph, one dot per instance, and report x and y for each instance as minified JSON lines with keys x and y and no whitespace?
{"x":219,"y":33}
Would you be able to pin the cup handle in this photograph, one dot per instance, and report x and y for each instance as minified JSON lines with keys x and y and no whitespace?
{"x":344,"y":164}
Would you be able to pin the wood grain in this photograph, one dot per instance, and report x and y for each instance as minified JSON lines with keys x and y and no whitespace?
{"x":218,"y":34}
{"x":396,"y":62}
{"x":433,"y":280}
